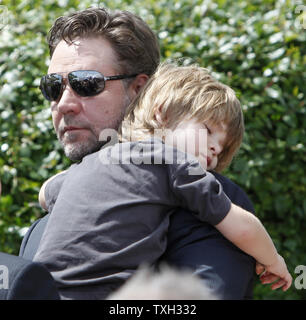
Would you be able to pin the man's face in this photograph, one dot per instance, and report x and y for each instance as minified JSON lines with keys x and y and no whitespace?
{"x":77,"y":120}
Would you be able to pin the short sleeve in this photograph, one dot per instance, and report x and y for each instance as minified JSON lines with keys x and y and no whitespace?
{"x":201,"y":193}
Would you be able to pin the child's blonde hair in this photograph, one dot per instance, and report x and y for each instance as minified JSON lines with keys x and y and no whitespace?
{"x":180,"y":93}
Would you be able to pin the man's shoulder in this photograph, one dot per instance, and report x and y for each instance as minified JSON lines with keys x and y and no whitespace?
{"x":225,"y":180}
{"x":227,"y":184}
{"x":234,"y":192}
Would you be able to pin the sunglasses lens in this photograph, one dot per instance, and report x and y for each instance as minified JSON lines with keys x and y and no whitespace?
{"x":86,"y":83}
{"x":50,"y":86}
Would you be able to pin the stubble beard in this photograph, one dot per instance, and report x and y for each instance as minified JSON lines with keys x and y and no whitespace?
{"x":76,"y":151}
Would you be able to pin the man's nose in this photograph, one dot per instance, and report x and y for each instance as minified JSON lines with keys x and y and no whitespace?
{"x":69,"y":102}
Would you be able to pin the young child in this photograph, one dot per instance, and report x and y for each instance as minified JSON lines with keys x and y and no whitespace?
{"x":110,"y":213}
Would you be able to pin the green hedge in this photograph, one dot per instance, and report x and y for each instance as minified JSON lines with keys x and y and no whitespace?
{"x":257,"y":47}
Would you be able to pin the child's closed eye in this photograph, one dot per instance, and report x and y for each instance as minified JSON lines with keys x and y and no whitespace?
{"x":208,"y":129}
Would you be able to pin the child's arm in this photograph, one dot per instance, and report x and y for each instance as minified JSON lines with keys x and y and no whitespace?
{"x":247,"y":233}
{"x":41,"y":195}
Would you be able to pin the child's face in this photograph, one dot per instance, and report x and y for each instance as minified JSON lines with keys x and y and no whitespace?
{"x":204,"y":140}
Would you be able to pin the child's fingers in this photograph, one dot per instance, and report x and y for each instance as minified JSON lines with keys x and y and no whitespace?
{"x":259,"y":268}
{"x":285,"y":283}
{"x":278,"y":284}
{"x":268,"y":277}
{"x":286,"y":286}
{"x":288,"y":282}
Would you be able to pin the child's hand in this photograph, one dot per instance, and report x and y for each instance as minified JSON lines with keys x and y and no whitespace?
{"x":260,"y":268}
{"x":41,"y":196}
{"x":277,"y":273}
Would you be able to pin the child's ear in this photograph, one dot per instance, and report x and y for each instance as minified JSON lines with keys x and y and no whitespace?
{"x":160,"y":117}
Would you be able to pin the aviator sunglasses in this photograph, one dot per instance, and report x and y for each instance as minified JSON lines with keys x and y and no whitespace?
{"x":86,"y":83}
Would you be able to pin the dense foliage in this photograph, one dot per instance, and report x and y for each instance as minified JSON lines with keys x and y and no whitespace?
{"x":257,"y":47}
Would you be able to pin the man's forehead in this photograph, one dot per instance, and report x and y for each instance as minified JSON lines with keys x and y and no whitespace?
{"x":93,"y":53}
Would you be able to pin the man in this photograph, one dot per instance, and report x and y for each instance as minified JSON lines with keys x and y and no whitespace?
{"x":21,"y":279}
{"x":83,"y":104}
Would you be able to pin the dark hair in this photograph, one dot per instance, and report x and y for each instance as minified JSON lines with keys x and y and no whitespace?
{"x":135,"y":44}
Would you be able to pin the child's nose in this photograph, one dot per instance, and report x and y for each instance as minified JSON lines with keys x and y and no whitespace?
{"x":215,"y":148}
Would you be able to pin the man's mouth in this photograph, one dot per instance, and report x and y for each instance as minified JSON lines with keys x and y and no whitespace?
{"x":67,"y":132}
{"x":70,"y":128}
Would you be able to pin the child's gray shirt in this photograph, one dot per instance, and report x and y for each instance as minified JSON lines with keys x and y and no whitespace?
{"x":110,"y":215}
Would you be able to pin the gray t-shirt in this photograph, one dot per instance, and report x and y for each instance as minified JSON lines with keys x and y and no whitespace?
{"x":109,"y":215}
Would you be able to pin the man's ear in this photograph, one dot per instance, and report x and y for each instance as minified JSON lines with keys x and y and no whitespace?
{"x":137,"y":85}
